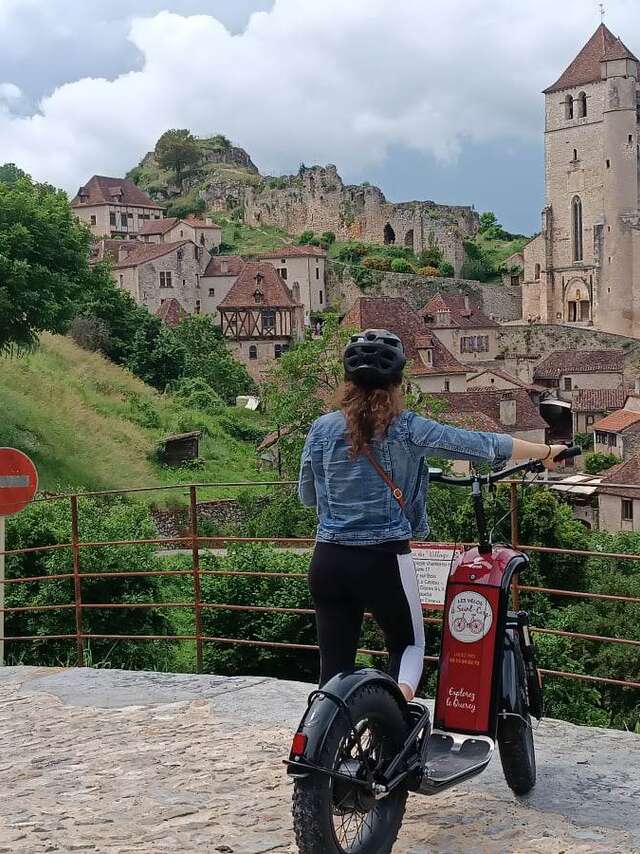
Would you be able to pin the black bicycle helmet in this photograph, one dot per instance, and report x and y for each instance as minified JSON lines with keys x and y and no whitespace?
{"x":374,"y":358}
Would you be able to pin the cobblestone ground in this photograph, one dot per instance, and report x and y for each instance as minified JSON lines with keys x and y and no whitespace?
{"x":117,"y":762}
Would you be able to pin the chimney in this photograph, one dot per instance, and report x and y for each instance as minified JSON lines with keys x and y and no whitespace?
{"x":466,"y":303}
{"x":443,"y":317}
{"x":224,"y":266}
{"x":508,"y":410}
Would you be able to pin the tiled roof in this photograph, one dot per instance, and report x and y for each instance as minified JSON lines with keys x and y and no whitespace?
{"x":505,"y":375}
{"x":585,"y":68}
{"x":598,"y":399}
{"x":443,"y":361}
{"x":194,"y":222}
{"x":471,"y":421}
{"x":618,"y":421}
{"x":463,"y":311}
{"x":487,"y":403}
{"x":289,"y":251}
{"x":158,"y":226}
{"x":171,"y":312}
{"x":274,"y":290}
{"x":234,"y":265}
{"x":622,"y":475}
{"x":145,"y":252}
{"x":107,"y":248}
{"x":102,"y":190}
{"x":562,"y":362}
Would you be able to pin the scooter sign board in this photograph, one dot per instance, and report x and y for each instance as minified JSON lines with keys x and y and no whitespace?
{"x":433,"y":564}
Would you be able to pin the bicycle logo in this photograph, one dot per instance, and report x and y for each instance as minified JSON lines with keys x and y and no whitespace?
{"x":470,"y":617}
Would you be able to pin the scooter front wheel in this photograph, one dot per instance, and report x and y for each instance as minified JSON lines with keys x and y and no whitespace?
{"x":515,"y":733}
{"x":332,"y":816}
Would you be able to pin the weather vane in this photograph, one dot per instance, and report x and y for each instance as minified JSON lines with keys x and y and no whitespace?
{"x":602,"y":11}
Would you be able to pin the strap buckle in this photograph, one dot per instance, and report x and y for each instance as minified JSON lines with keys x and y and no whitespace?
{"x":397,"y":494}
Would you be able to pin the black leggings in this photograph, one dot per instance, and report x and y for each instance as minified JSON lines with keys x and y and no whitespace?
{"x":346,"y":581}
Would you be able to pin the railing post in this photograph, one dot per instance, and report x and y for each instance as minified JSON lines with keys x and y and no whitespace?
{"x":197,"y":594}
{"x":515,"y":538}
{"x":77,"y":581}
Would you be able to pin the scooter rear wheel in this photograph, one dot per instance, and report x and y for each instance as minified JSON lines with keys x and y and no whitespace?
{"x":331,"y":816}
{"x":515,"y":733}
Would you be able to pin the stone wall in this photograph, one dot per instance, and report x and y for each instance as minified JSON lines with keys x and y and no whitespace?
{"x":222,"y":513}
{"x":505,"y":303}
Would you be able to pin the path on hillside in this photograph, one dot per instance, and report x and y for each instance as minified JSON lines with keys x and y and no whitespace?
{"x":113,"y":762}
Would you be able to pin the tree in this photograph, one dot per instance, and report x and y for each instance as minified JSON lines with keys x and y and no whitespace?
{"x":156,"y":355}
{"x":595,"y":463}
{"x":10,"y":173}
{"x":432,"y":255}
{"x":488,"y":220}
{"x":43,"y":261}
{"x":177,"y":150}
{"x":207,"y":357}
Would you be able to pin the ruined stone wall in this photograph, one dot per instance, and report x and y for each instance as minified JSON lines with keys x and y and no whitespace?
{"x":505,"y":303}
{"x":317,"y":199}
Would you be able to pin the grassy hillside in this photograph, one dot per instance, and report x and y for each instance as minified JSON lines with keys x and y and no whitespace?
{"x":89,"y":424}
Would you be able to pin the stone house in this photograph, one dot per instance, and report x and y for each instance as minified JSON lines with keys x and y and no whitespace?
{"x":584,"y":267}
{"x":567,"y":371}
{"x":618,"y":503}
{"x":259,"y":317}
{"x":430,"y":366}
{"x":217,"y":280}
{"x":510,"y":412}
{"x":618,"y":434}
{"x":114,"y":207}
{"x":496,"y":379}
{"x":590,"y":405}
{"x":302,"y":268}
{"x":157,"y":272}
{"x":203,"y":232}
{"x":462,"y":326}
{"x":513,"y":269}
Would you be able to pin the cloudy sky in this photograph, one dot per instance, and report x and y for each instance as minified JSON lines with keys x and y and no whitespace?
{"x":428,"y":99}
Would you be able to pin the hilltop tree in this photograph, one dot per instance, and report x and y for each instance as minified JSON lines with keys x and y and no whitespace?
{"x":43,"y":260}
{"x":177,"y":150}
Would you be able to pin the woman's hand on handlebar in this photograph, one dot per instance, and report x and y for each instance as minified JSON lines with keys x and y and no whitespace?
{"x":550,"y":462}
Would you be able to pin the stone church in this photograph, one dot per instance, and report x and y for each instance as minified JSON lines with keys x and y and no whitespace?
{"x":583,"y":269}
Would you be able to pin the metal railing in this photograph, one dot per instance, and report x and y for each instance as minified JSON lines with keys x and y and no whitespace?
{"x":194,"y":542}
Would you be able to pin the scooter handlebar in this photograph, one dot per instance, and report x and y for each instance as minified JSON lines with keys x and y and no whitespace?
{"x":533,"y":466}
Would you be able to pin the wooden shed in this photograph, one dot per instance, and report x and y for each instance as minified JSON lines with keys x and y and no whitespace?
{"x":180,"y":448}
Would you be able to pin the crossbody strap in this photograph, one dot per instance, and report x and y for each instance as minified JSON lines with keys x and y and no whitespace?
{"x":395,"y":490}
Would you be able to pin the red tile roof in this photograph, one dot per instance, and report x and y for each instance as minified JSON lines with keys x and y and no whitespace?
{"x":471,"y":421}
{"x":158,"y":226}
{"x":487,"y":403}
{"x":101,"y":190}
{"x":618,"y":421}
{"x":585,"y":68}
{"x":171,"y":312}
{"x":463,"y":312}
{"x":562,"y":362}
{"x":505,"y":375}
{"x":442,"y":360}
{"x":106,"y":248}
{"x":621,"y":475}
{"x":274,"y":290}
{"x":145,"y":252}
{"x":599,"y":399}
{"x":234,"y":265}
{"x":289,"y":251}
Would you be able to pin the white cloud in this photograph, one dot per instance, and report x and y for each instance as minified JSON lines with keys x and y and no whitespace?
{"x":338,"y":81}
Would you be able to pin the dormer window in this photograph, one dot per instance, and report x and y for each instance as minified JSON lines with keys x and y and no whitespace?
{"x":258,"y":294}
{"x":427,"y":356}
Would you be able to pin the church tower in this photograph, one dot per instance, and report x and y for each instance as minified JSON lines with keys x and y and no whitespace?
{"x":584,"y":267}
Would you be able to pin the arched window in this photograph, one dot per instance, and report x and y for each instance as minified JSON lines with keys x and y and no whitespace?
{"x":582,"y":105}
{"x":576,"y":225}
{"x":568,"y":107}
{"x":253,"y":351}
{"x":537,"y":272}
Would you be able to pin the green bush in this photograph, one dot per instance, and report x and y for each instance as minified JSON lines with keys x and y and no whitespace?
{"x":446,"y":269}
{"x":328,"y":237}
{"x":475,"y":269}
{"x":196,"y":393}
{"x":428,"y":271}
{"x":595,"y":463}
{"x":305,"y":237}
{"x":399,"y":265}
{"x":142,"y":411}
{"x":242,"y":424}
{"x":376,"y":262}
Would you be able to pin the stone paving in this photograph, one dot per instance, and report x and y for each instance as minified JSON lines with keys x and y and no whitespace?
{"x":118,"y":762}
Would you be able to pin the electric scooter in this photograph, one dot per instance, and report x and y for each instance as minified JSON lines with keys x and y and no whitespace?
{"x":361,"y":748}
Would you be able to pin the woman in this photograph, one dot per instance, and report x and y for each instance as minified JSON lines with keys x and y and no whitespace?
{"x":362,"y":468}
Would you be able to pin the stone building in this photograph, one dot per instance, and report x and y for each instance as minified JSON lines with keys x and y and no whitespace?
{"x":114,"y":207}
{"x":584,"y":266}
{"x":618,"y":434}
{"x":590,"y":405}
{"x":203,"y":232}
{"x":157,"y":272}
{"x":259,"y":317}
{"x":317,"y":199}
{"x":217,"y":280}
{"x":303,"y":269}
{"x":567,"y":371}
{"x":430,"y":366}
{"x":462,"y":326}
{"x":618,"y":504}
{"x":510,"y":412}
{"x":513,"y":267}
{"x":497,"y":379}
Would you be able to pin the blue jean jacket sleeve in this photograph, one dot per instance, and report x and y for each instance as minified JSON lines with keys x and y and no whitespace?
{"x":306,"y":485}
{"x":431,"y":439}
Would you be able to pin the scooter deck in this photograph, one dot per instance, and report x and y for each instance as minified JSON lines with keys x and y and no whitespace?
{"x":451,"y":758}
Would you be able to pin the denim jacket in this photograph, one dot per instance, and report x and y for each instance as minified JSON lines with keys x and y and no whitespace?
{"x":354,"y":505}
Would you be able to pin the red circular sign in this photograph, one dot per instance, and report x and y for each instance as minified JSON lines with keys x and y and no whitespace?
{"x":18,"y":481}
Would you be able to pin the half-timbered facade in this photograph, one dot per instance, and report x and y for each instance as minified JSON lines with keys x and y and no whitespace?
{"x":259,"y":317}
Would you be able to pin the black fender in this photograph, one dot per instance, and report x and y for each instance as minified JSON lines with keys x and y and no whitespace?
{"x":511,"y":696}
{"x":323,"y":710}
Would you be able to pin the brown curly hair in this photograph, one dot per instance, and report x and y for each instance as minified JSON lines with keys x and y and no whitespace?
{"x":368,"y":411}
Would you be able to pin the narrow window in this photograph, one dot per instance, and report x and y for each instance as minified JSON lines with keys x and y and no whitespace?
{"x":197,"y":306}
{"x":568,"y":107}
{"x":576,"y":220}
{"x":283,"y":273}
{"x":627,"y":510}
{"x":575,"y":154}
{"x":277,"y":351}
{"x":212,"y":292}
{"x":582,"y":105}
{"x":121,"y":280}
{"x":184,"y":283}
{"x":123,"y":220}
{"x":112,"y":219}
{"x":179,"y":254}
{"x":608,"y":164}
{"x":317,"y":272}
{"x":536,"y":273}
{"x":253,"y":351}
{"x":197,"y":280}
{"x":447,"y":385}
{"x":320,"y":297}
{"x":202,"y":239}
{"x":567,"y":383}
{"x":93,"y":219}
{"x":181,"y":233}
